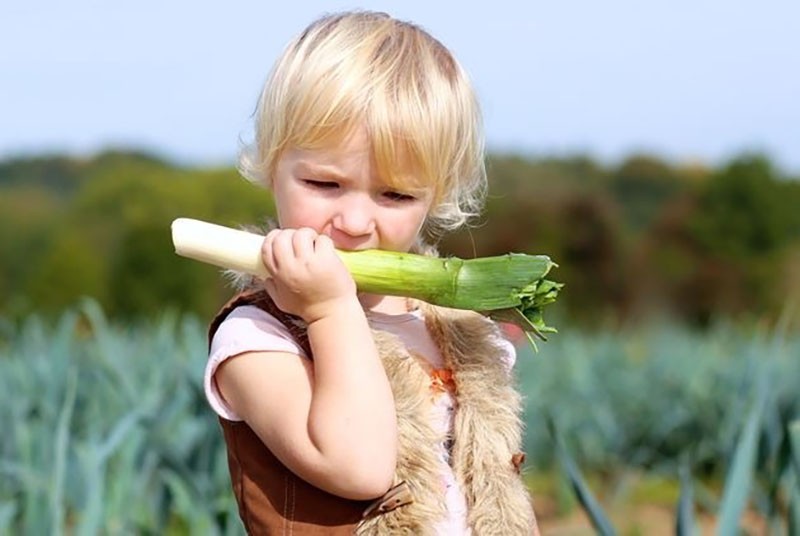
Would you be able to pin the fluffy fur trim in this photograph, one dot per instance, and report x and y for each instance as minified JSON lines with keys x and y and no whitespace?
{"x":488,"y":427}
{"x":487,"y":432}
{"x":418,"y":463}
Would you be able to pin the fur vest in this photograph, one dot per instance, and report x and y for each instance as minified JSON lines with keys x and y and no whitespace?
{"x":485,"y":454}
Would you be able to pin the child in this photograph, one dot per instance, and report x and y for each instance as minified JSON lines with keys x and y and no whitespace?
{"x":345,"y":412}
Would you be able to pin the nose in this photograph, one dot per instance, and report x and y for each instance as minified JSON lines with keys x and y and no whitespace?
{"x":355,"y":216}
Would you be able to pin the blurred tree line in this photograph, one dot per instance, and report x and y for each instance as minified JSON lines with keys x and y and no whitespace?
{"x":635,"y":240}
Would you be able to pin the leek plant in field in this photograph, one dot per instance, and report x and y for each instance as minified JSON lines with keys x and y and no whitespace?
{"x":713,"y":417}
{"x":509,"y":288}
{"x":107,"y":431}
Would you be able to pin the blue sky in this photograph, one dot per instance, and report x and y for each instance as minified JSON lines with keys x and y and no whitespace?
{"x":687,"y":80}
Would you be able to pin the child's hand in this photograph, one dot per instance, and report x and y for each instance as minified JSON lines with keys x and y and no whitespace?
{"x":307,"y":277}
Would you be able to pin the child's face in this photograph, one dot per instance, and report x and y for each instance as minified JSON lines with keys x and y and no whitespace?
{"x":337,"y":192}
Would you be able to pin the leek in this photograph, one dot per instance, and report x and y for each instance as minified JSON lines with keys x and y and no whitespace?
{"x":507,"y":288}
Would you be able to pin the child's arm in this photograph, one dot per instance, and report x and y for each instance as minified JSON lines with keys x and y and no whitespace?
{"x":332,"y":422}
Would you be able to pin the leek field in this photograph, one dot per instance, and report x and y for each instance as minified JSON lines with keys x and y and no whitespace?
{"x":650,"y":431}
{"x":667,"y":403}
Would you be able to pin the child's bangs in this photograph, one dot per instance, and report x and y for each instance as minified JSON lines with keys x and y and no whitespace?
{"x":322,"y":120}
{"x":401,"y":159}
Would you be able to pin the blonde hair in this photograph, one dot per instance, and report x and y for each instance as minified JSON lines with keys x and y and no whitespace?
{"x":366,"y":69}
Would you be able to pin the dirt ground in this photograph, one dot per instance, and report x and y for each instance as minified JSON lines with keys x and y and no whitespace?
{"x":655,"y":520}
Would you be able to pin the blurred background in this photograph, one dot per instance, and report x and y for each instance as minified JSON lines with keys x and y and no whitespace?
{"x":651,"y":149}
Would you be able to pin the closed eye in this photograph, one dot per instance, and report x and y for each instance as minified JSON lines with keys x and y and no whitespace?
{"x":322,"y":185}
{"x":399,"y":196}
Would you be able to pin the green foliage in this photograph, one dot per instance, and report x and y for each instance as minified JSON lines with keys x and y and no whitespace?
{"x":58,"y":174}
{"x":742,"y":230}
{"x":109,"y":238}
{"x":27,"y":219}
{"x":67,"y":269}
{"x":741,"y":211}
{"x":739,"y":478}
{"x":641,"y":185}
{"x":141,"y":267}
{"x":644,"y":237}
{"x":685,"y":523}
{"x":581,"y":489}
{"x":702,"y":408}
{"x":108,"y":431}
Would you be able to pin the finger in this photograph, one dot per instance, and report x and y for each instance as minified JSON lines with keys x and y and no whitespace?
{"x":303,"y":242}
{"x":323,"y":244}
{"x":268,"y":253}
{"x":282,"y":248}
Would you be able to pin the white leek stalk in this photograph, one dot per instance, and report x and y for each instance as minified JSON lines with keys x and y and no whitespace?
{"x":509,"y":287}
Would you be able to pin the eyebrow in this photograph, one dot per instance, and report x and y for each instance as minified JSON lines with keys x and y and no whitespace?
{"x":328,"y":172}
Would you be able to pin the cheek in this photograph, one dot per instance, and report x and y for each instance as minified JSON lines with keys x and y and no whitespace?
{"x":298,"y":214}
{"x":295,"y":210}
{"x":404,"y":228}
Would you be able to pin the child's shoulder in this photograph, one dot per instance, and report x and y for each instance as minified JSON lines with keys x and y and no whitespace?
{"x":248,"y":328}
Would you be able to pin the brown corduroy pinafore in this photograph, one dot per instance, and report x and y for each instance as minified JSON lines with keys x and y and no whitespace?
{"x":269,"y":495}
{"x":272,"y":500}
